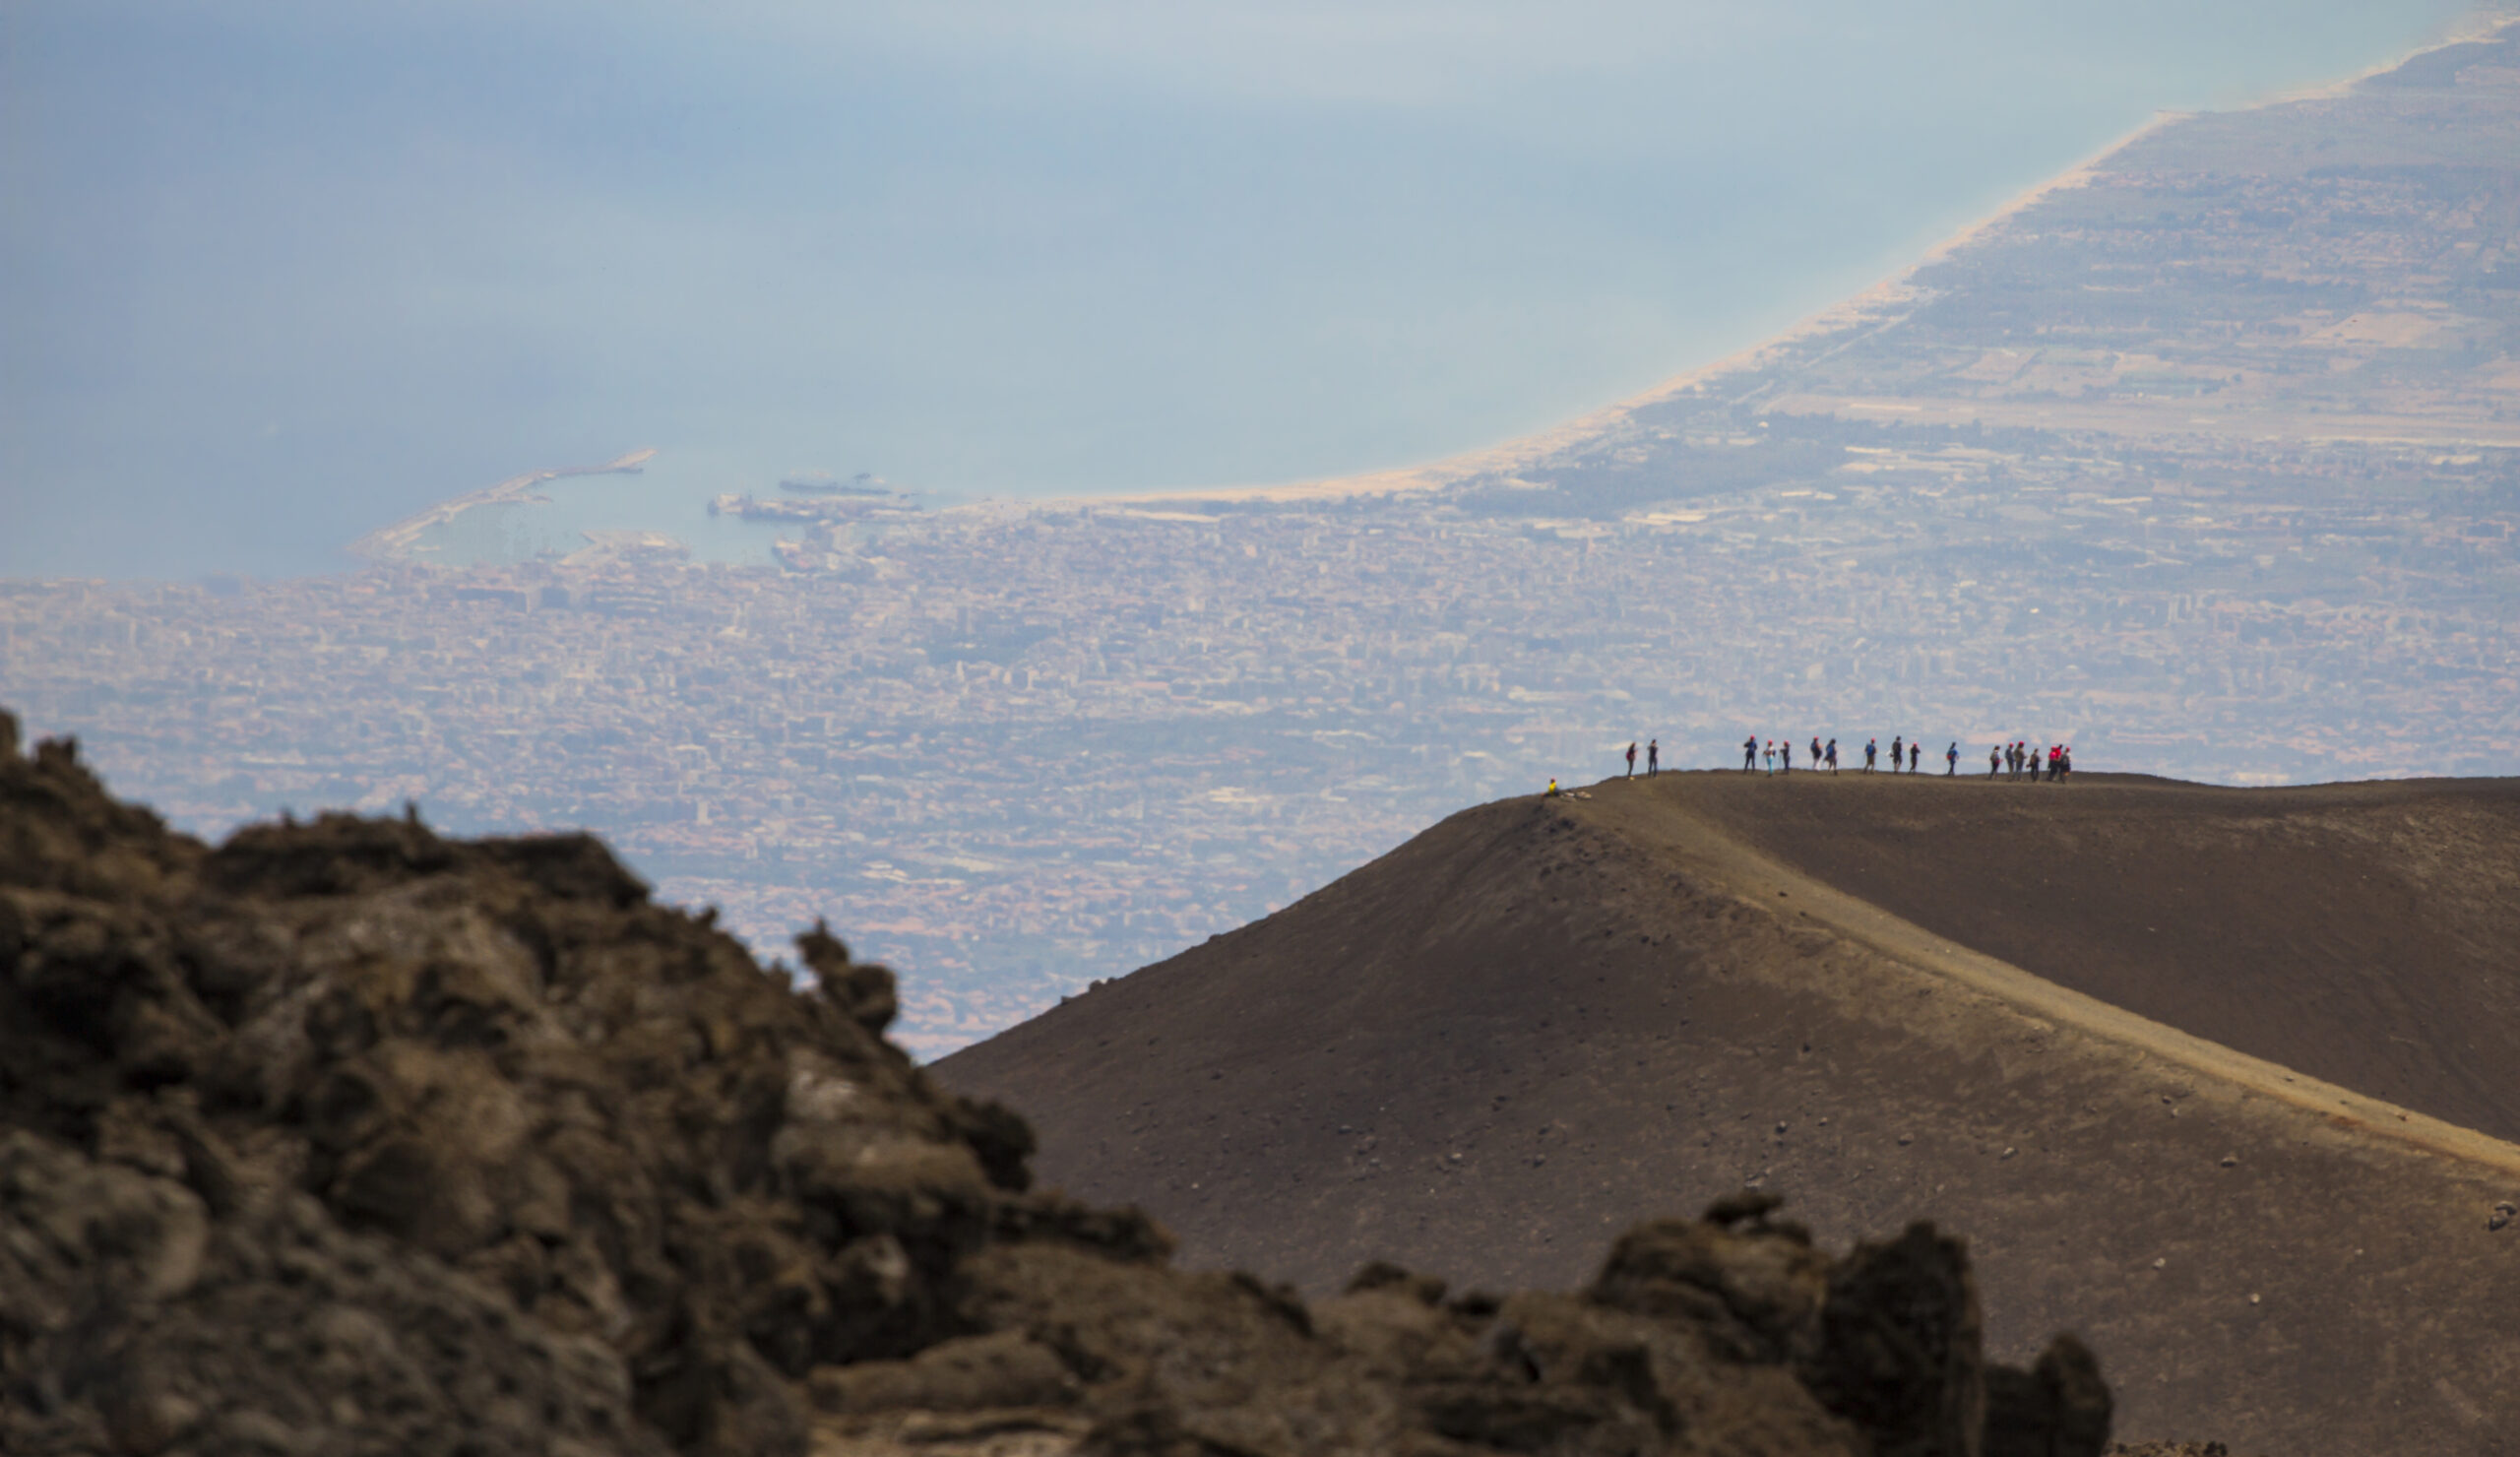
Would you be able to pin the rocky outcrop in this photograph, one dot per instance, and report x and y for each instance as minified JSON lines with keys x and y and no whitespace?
{"x":345,"y":1137}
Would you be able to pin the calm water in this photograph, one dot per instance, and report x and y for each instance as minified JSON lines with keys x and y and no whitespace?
{"x":280,"y":273}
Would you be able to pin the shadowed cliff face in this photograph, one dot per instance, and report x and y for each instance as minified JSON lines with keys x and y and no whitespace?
{"x":343,"y":1137}
{"x":1542,"y":1020}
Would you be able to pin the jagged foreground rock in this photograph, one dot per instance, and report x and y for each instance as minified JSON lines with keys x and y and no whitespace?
{"x":343,"y":1137}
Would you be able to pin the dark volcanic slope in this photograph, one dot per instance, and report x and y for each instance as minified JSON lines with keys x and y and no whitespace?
{"x":2368,"y":934}
{"x":1493,"y":1047}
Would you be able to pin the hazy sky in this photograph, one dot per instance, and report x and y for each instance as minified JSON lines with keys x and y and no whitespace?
{"x":273,"y":274}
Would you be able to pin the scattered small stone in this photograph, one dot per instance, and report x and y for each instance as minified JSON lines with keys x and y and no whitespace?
{"x":1779,"y":1129}
{"x":1749,"y":1204}
{"x":2503,"y":1214}
{"x":2009,"y":1153}
{"x":2230,"y":1161}
{"x":2252,"y":1297}
{"x":2160,"y":1263}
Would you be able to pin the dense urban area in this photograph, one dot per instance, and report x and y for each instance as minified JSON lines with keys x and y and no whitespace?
{"x":2207,"y":464}
{"x":1018,"y":749}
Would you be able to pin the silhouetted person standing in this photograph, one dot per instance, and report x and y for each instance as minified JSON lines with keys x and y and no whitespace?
{"x":1951,"y":760}
{"x":1833,"y":756}
{"x":1898,"y":746}
{"x":1785,"y":756}
{"x":1631,"y":759}
{"x":1915,"y":756}
{"x":1995,"y":761}
{"x":1749,"y":752}
{"x":1653,"y":757}
{"x":1871,"y":746}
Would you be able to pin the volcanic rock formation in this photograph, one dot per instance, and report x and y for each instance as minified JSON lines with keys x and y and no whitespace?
{"x":1546,"y":1018}
{"x":343,"y":1137}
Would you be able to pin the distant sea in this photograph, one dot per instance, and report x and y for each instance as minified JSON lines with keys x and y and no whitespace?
{"x":280,"y":275}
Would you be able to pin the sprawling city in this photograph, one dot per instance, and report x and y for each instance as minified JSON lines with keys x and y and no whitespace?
{"x":2265,"y":536}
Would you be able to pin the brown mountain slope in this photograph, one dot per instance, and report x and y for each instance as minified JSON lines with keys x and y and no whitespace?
{"x":1497,"y":1043}
{"x":2368,"y":934}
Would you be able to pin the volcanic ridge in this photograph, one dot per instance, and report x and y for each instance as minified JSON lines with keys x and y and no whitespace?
{"x":2221,"y":1079}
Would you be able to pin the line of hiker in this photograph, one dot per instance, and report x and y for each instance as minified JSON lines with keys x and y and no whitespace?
{"x":1776,"y":756}
{"x":2020,"y":757}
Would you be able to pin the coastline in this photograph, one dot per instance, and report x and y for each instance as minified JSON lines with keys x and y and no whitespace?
{"x":393,"y":543}
{"x":1504,"y":456}
{"x":1866,"y":305}
{"x":1881,"y":303}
